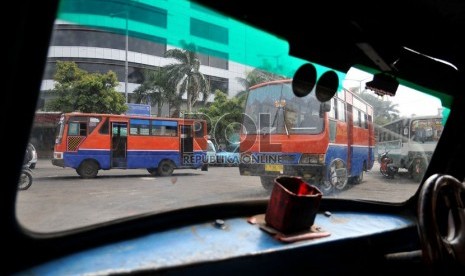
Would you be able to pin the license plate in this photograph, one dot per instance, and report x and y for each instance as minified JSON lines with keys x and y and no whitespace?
{"x":273,"y":167}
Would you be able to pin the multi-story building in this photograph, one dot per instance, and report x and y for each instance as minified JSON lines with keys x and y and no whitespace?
{"x":100,"y":47}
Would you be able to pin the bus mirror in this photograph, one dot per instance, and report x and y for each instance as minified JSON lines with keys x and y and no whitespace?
{"x":327,"y":85}
{"x":325,"y":107}
{"x":304,"y":80}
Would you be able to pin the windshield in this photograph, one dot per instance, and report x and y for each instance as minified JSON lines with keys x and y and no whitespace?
{"x":134,"y":91}
{"x":286,"y":113}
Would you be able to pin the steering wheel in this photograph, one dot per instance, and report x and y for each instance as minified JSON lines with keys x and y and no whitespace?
{"x":441,"y":223}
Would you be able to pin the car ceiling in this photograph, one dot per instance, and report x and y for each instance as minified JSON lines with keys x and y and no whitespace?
{"x":373,"y":34}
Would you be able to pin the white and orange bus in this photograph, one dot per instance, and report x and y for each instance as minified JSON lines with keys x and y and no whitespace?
{"x":328,"y":144}
{"x":93,"y":142}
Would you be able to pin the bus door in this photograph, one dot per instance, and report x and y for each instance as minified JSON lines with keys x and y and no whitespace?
{"x":119,"y":142}
{"x":187,"y":144}
{"x":371,"y":140}
{"x":350,"y":137}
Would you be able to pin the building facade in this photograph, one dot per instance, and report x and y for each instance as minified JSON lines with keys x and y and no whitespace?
{"x":103,"y":46}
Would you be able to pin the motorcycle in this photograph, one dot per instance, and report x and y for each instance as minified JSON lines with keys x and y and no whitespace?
{"x":25,"y":179}
{"x":387,"y":168}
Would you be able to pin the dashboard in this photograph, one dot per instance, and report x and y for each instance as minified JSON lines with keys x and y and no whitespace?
{"x":198,"y":247}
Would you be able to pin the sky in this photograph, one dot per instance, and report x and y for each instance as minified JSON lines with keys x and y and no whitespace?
{"x":409,"y":101}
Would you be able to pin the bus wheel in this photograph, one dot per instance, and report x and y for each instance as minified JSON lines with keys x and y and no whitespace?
{"x":152,"y":171}
{"x":338,"y":174}
{"x":165,"y":168}
{"x":267,"y":182}
{"x":326,"y":187}
{"x":357,"y":179}
{"x":88,"y":169}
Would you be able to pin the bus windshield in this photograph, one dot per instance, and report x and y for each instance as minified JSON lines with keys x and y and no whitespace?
{"x":275,"y":109}
{"x":426,"y":130}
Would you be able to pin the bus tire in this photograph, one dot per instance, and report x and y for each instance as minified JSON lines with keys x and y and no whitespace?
{"x":152,"y":171}
{"x":88,"y":169}
{"x":165,"y":168}
{"x":357,"y":179}
{"x":267,"y":182}
{"x":337,"y":174}
{"x":326,"y":187}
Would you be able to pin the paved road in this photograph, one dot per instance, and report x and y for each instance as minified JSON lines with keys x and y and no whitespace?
{"x":59,"y":199}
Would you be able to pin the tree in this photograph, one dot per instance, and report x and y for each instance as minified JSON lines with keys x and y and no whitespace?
{"x":185,"y":75}
{"x":77,"y":90}
{"x":254,"y":77}
{"x":155,"y":90}
{"x":225,"y":117}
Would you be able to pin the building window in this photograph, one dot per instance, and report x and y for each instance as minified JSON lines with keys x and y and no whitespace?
{"x":213,"y":58}
{"x":70,"y":35}
{"x":136,"y":11}
{"x":209,"y":31}
{"x":217,"y":83}
{"x":135,"y":74}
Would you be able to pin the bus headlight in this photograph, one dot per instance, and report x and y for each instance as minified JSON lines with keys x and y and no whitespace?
{"x":58,"y":155}
{"x":308,"y":158}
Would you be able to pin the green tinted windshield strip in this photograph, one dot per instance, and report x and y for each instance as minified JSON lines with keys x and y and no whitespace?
{"x":171,"y":20}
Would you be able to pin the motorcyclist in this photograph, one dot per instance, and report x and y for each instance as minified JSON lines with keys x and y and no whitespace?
{"x":28,"y":154}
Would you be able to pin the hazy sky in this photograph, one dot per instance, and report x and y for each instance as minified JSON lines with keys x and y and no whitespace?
{"x":409,"y":101}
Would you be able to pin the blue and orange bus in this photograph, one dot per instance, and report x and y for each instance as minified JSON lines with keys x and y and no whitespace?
{"x":93,"y":142}
{"x":328,"y":144}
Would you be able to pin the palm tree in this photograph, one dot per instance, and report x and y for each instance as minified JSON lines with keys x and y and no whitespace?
{"x":257,"y":76}
{"x":155,"y":90}
{"x":185,"y":76}
{"x":254,"y":77}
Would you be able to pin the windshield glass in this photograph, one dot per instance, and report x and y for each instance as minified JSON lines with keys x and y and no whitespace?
{"x":287,"y":113}
{"x":136,"y":96}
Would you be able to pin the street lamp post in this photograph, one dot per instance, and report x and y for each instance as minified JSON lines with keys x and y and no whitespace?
{"x":126,"y":66}
{"x":126,"y":49}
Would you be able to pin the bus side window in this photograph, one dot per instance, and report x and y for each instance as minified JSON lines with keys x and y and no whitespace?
{"x":364,"y":120}
{"x":332,"y":111}
{"x":93,"y":122}
{"x":83,"y":129}
{"x":356,"y":117}
{"x":77,"y":129}
{"x":164,"y":128}
{"x":199,"y":130}
{"x":73,"y":128}
{"x":105,"y":128}
{"x":340,"y":111}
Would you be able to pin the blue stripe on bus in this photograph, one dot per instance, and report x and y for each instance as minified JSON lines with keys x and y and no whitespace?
{"x":74,"y":159}
{"x":135,"y":159}
{"x":336,"y":152}
{"x":150,"y":159}
{"x":359,"y":155}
